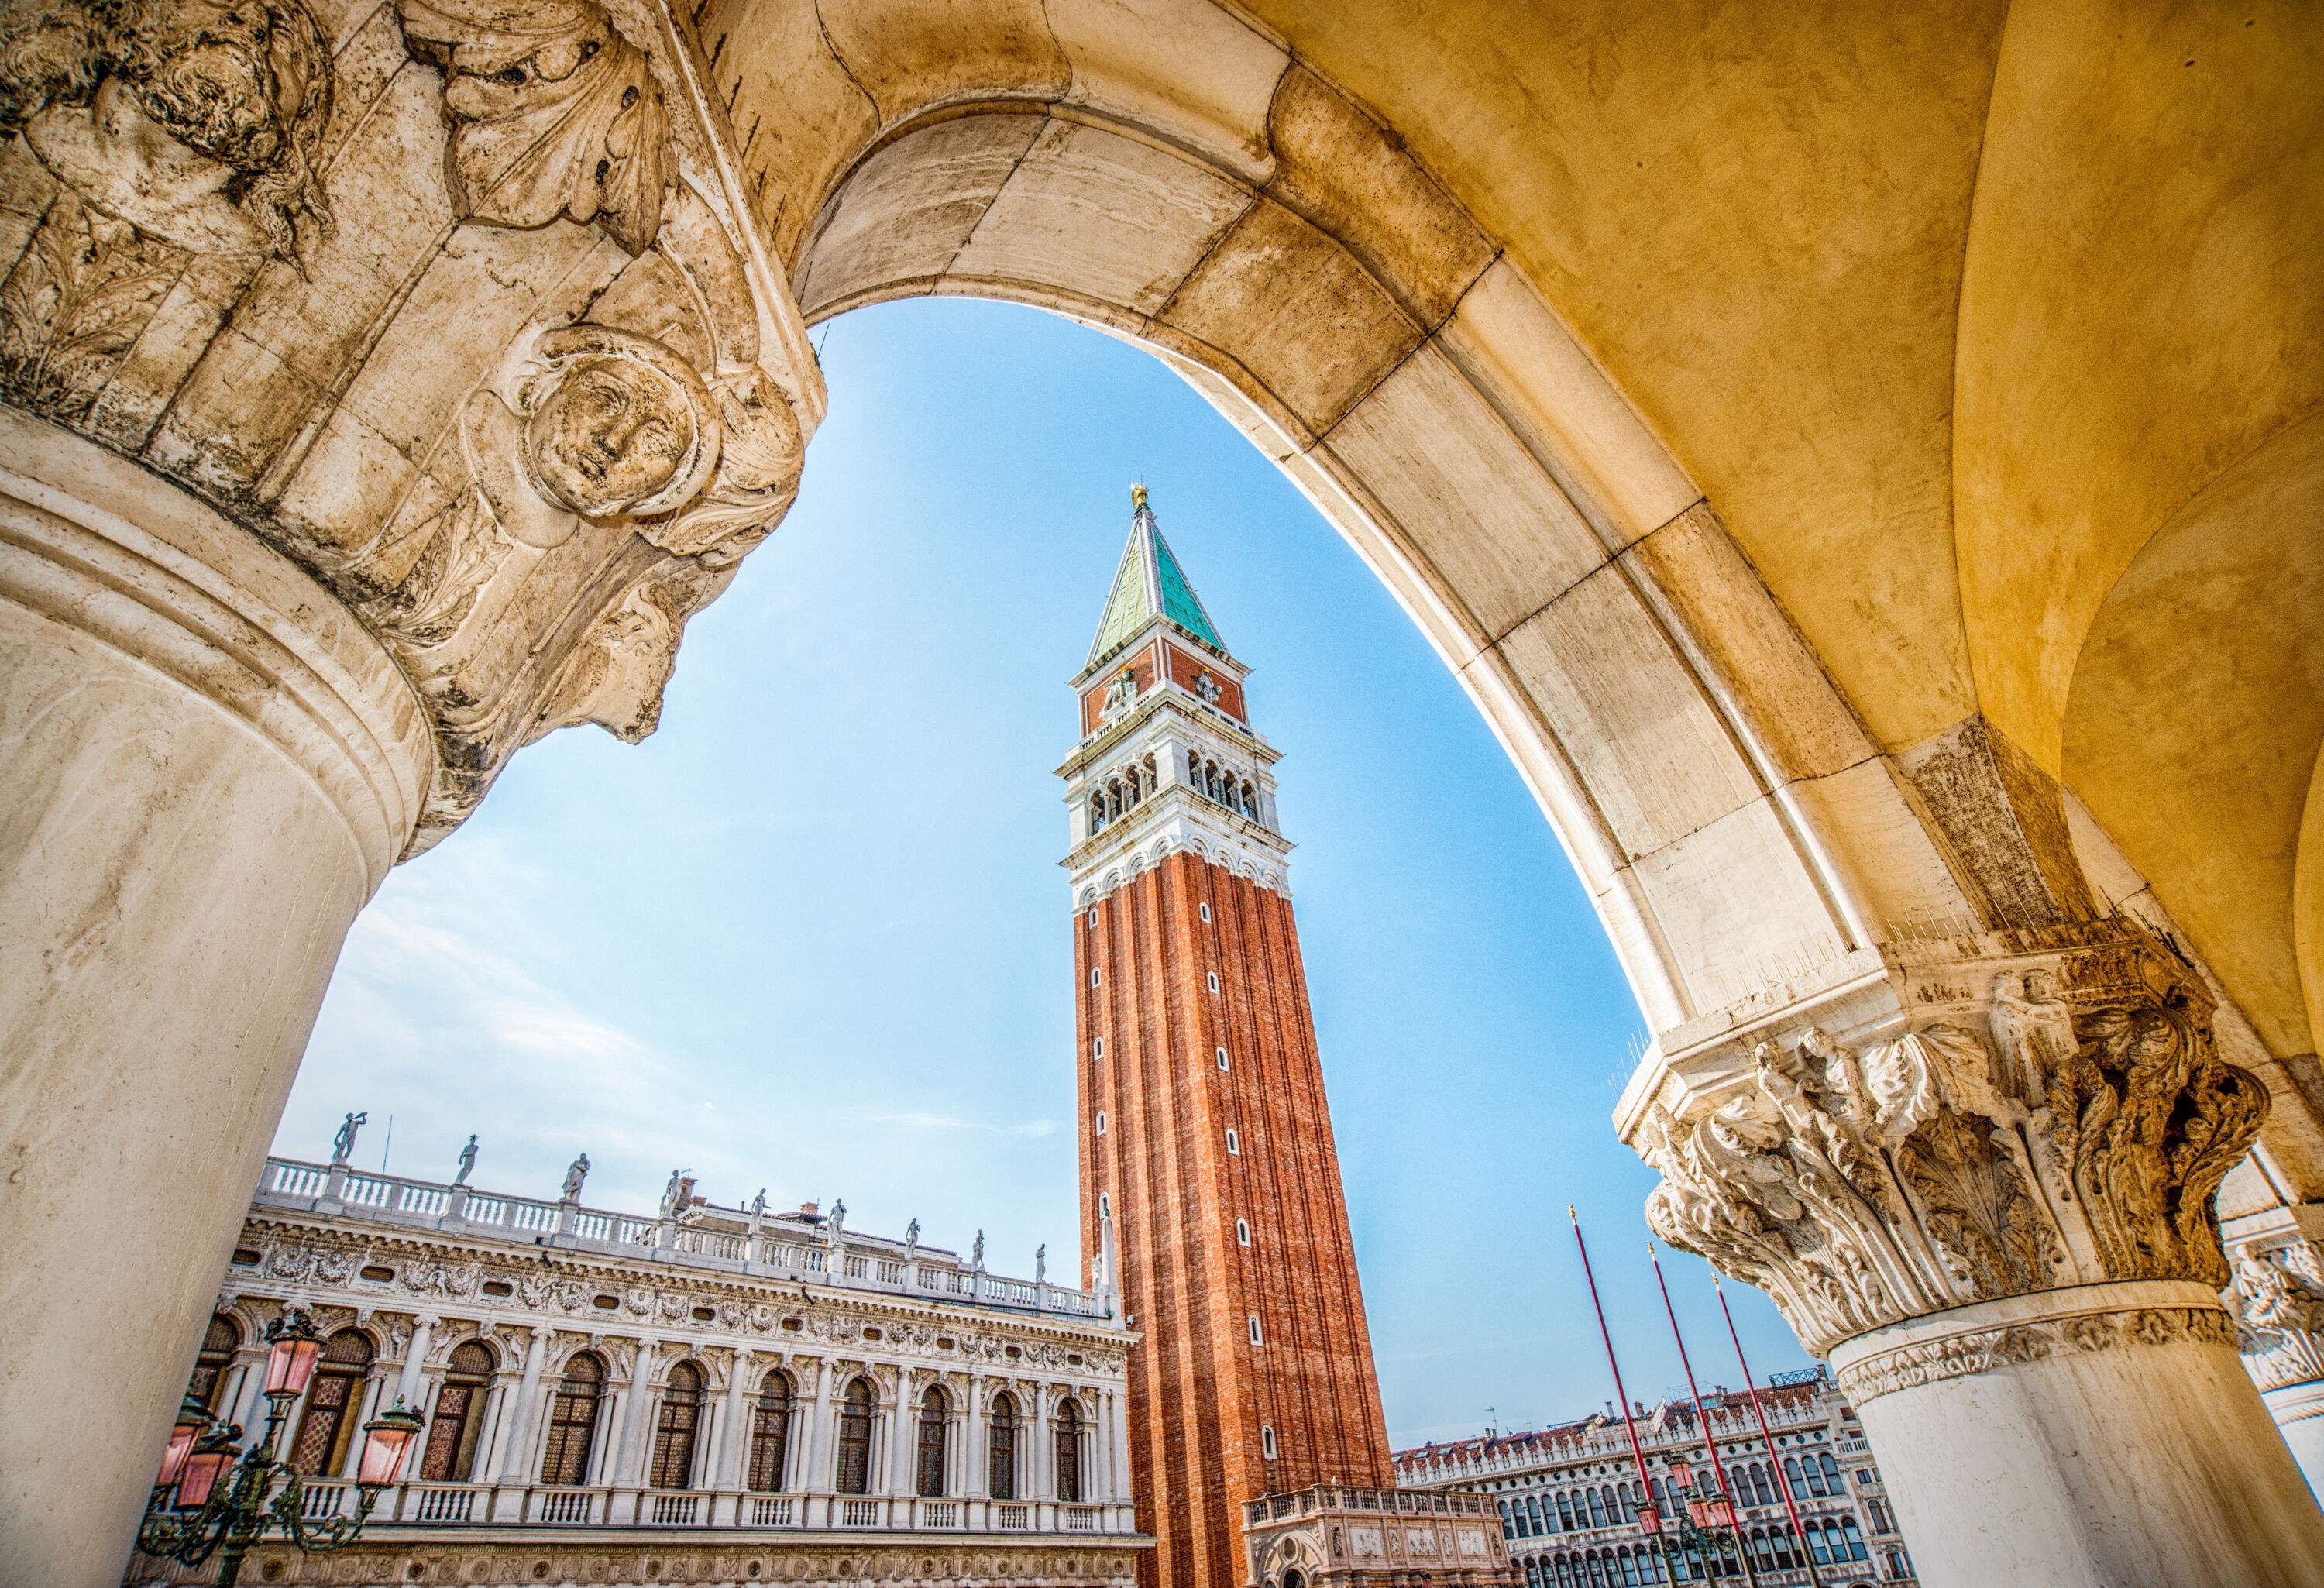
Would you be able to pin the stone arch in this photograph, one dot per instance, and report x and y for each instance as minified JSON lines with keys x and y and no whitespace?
{"x":1328,"y":295}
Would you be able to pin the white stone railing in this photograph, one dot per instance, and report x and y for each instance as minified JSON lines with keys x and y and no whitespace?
{"x":781,"y":1253}
{"x":456,"y":1506}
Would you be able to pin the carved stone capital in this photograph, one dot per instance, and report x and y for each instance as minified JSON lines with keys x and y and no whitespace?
{"x":2277,"y":1301}
{"x":463,"y":312}
{"x":1995,"y":1116}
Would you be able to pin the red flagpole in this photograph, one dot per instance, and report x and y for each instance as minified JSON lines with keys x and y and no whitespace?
{"x":1718,"y":1468}
{"x":1783,"y":1484}
{"x":1646,"y":1485}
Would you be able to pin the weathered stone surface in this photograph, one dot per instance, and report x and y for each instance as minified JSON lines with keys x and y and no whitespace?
{"x":460,"y":315}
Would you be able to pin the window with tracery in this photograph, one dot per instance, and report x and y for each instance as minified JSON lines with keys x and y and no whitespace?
{"x":1001,"y":1448}
{"x":334,"y":1400}
{"x":459,"y":1415}
{"x":935,"y":1417}
{"x":676,"y":1425}
{"x":573,"y":1422}
{"x":855,"y":1470}
{"x":1069,"y":1450}
{"x":219,"y":1344}
{"x":770,"y":1433}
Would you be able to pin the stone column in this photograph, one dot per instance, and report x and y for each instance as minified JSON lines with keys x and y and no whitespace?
{"x":734,"y":1444}
{"x":816,"y":1479}
{"x":1117,"y":1437}
{"x":904,"y":1442}
{"x":415,"y":1358}
{"x":2278,"y":1301}
{"x":516,"y":1442}
{"x":1979,"y":1175}
{"x":208,"y":769}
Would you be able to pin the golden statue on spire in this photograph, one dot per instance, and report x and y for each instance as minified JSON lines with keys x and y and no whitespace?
{"x":1137,"y":495}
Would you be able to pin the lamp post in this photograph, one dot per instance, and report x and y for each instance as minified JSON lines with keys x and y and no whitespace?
{"x":1707,"y":1522}
{"x":206,"y":1502}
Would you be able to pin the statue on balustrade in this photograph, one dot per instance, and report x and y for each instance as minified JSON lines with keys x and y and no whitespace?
{"x":574,"y":1173}
{"x":343,"y":1143}
{"x":467,"y":1162}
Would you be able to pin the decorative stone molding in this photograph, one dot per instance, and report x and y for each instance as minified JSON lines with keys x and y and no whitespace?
{"x":2008,"y":1114}
{"x":1960,"y":1356}
{"x":462,"y":312}
{"x":2277,"y":1302}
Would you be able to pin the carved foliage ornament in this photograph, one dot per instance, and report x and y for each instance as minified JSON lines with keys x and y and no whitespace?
{"x":553,"y":113}
{"x":2077,"y":1138}
{"x":2277,"y":1302}
{"x":530,"y":527}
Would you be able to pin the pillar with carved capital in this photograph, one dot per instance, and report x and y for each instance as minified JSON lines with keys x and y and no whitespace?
{"x":2277,"y":1300}
{"x":733,"y":1440}
{"x":415,"y":1358}
{"x":303,"y":533}
{"x":1979,"y":1175}
{"x":513,"y":1465}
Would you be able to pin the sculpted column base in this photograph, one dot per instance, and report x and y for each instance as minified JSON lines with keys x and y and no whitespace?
{"x":205,"y":768}
{"x":2100,"y":1437}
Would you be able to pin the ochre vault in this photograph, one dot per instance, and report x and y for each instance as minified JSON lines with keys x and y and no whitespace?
{"x":1866,"y":467}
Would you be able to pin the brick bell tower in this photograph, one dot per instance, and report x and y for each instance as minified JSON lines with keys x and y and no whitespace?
{"x":1208,"y":1174}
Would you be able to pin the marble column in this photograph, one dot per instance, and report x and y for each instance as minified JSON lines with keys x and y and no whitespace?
{"x":415,"y":1358}
{"x":816,"y":1479}
{"x":906,"y":1423}
{"x":517,"y":1441}
{"x":1118,"y":1435}
{"x":209,"y":767}
{"x":733,"y":1430}
{"x":1979,"y":1175}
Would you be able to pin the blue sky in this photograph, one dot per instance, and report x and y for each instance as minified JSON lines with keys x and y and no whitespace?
{"x":812,"y":935}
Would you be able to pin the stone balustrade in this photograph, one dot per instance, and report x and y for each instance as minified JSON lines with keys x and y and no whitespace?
{"x":781,"y":1250}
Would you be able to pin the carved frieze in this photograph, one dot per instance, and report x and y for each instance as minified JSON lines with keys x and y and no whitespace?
{"x":1960,"y":1356}
{"x":2030,"y":1121}
{"x":459,"y":312}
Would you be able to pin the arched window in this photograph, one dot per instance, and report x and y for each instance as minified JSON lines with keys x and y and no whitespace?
{"x":928,"y":1465}
{"x":1069,"y":1450}
{"x":573,"y":1422}
{"x":1533,"y":1573}
{"x":1565,"y":1513}
{"x":1508,"y":1519}
{"x":1817,"y":1547}
{"x":1597,"y":1508}
{"x":459,"y":1417}
{"x":1630,"y":1503}
{"x":1001,"y":1448}
{"x":1613,"y":1504}
{"x":218,"y":1343}
{"x":770,"y":1433}
{"x":675,"y":1426}
{"x":854,"y":1474}
{"x":1630,"y":1573}
{"x":1097,"y":813}
{"x":1853,"y":1537}
{"x":334,"y":1402}
{"x":1533,"y":1513}
{"x":1792,"y":1471}
{"x":1831,"y":1472}
{"x":1760,"y":1486}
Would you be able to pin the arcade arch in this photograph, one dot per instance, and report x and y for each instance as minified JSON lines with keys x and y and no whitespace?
{"x":1832,"y":683}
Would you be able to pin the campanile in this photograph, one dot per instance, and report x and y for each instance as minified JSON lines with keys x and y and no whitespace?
{"x":1207,"y":1163}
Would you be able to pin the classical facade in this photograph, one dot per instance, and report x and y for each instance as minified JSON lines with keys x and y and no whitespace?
{"x":1569,"y":1496}
{"x":704,"y":1395}
{"x":1208,"y":1172}
{"x":1865,"y":469}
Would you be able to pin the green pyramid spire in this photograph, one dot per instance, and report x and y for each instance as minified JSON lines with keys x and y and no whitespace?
{"x":1148,"y":582}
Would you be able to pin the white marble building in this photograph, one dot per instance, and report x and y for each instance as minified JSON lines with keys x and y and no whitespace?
{"x":705,"y":1395}
{"x":1569,"y":1498}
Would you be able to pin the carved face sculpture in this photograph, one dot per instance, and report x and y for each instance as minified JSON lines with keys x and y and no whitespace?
{"x":620,"y":426}
{"x":194,"y":120}
{"x":608,"y":437}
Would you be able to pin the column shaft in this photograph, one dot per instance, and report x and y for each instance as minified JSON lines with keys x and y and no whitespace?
{"x":209,"y":766}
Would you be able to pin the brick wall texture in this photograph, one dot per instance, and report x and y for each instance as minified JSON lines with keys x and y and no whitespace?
{"x":1200,"y":1390}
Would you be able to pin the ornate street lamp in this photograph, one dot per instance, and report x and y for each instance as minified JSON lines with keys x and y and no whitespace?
{"x":206,"y":1502}
{"x":1707,"y":1524}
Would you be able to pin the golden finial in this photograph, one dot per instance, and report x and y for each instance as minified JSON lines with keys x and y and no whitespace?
{"x":1137,"y":495}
